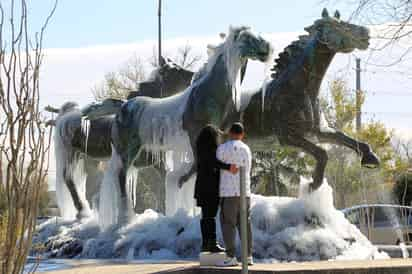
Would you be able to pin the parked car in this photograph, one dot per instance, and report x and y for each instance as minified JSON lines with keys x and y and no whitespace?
{"x":384,"y":224}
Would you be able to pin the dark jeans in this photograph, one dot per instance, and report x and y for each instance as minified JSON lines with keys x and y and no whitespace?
{"x":208,"y":222}
{"x":209,"y":209}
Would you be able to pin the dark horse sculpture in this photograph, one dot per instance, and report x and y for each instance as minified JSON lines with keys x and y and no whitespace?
{"x":79,"y":141}
{"x":164,"y":81}
{"x":147,"y":128}
{"x":290,"y":104}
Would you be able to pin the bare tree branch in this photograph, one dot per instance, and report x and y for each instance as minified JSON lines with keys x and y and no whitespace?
{"x":185,"y":57}
{"x":51,"y":109}
{"x":24,"y":136}
{"x":117,"y":85}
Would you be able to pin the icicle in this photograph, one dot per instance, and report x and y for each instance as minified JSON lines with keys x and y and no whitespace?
{"x":132,"y":180}
{"x":63,"y":197}
{"x":85,"y":127}
{"x":109,"y":198}
{"x":237,"y":92}
{"x":169,"y":160}
{"x":264,"y":87}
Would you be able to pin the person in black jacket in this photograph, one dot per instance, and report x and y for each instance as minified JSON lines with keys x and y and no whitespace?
{"x":207,"y":185}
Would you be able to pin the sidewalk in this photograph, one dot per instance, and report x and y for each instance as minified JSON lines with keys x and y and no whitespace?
{"x":398,"y":266}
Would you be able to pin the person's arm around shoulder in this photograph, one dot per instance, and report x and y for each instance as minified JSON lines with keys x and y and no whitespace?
{"x":220,"y":160}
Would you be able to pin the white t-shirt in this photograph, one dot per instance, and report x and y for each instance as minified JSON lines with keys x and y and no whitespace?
{"x":238,"y":153}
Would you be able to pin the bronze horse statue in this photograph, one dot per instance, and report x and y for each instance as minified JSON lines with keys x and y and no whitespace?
{"x":290,"y":99}
{"x":286,"y":108}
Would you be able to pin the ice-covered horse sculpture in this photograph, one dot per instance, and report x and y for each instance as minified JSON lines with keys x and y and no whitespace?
{"x":79,"y":141}
{"x":290,"y":100}
{"x":146,"y":128}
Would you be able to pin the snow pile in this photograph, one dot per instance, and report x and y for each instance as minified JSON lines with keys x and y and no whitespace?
{"x":305,"y":229}
{"x":284,"y":229}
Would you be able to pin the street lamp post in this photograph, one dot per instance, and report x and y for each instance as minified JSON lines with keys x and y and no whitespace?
{"x":243,"y":220}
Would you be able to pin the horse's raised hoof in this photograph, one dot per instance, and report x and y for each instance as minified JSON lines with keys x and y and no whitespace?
{"x":370,"y":160}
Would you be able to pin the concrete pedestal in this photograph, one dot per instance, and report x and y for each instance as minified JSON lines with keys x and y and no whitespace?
{"x":211,"y":259}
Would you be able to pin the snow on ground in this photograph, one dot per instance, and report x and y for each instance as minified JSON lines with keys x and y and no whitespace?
{"x":284,"y":229}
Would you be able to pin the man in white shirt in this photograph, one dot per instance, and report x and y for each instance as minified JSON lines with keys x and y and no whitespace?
{"x":238,"y":153}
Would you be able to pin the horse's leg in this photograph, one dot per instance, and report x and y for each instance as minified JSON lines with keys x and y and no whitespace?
{"x":125,"y":208}
{"x":93,"y":180}
{"x":161,"y":194}
{"x":135,"y":158}
{"x":369,"y":158}
{"x":71,"y":186}
{"x":317,"y":152}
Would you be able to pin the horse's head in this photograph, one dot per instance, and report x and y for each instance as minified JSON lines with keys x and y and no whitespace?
{"x":174,"y":78}
{"x":68,"y":106}
{"x":338,"y":35}
{"x":249,"y":45}
{"x":97,"y":110}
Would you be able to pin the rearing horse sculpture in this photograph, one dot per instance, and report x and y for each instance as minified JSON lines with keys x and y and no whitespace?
{"x":75,"y":144}
{"x":147,"y":126}
{"x":291,"y":109}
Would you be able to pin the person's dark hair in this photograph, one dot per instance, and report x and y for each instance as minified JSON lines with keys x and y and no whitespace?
{"x":237,"y":128}
{"x":208,"y":138}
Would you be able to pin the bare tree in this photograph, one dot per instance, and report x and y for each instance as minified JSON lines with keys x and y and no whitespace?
{"x":24,"y":138}
{"x":118,"y":84}
{"x":186,"y":58}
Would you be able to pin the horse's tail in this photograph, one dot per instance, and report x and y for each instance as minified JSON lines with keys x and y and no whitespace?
{"x":63,"y":162}
{"x":69,"y":165}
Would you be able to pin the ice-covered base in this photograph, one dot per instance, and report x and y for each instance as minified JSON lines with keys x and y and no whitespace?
{"x":284,"y":229}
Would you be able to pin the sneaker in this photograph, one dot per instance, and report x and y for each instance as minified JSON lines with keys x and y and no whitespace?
{"x":250,"y":260}
{"x":229,"y":261}
{"x":212,"y":246}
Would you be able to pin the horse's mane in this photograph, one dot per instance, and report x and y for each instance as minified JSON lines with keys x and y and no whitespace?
{"x":290,"y":54}
{"x":214,"y":52}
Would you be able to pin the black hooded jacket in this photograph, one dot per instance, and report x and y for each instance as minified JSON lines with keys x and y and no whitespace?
{"x":208,"y":167}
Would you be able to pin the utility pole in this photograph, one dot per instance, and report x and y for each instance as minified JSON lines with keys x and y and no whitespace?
{"x":358,"y":96}
{"x":243,"y":221}
{"x":159,"y":53}
{"x":159,"y":14}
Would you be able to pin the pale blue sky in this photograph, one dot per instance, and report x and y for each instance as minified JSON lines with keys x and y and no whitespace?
{"x":80,"y":23}
{"x":98,"y":36}
{"x":93,"y":37}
